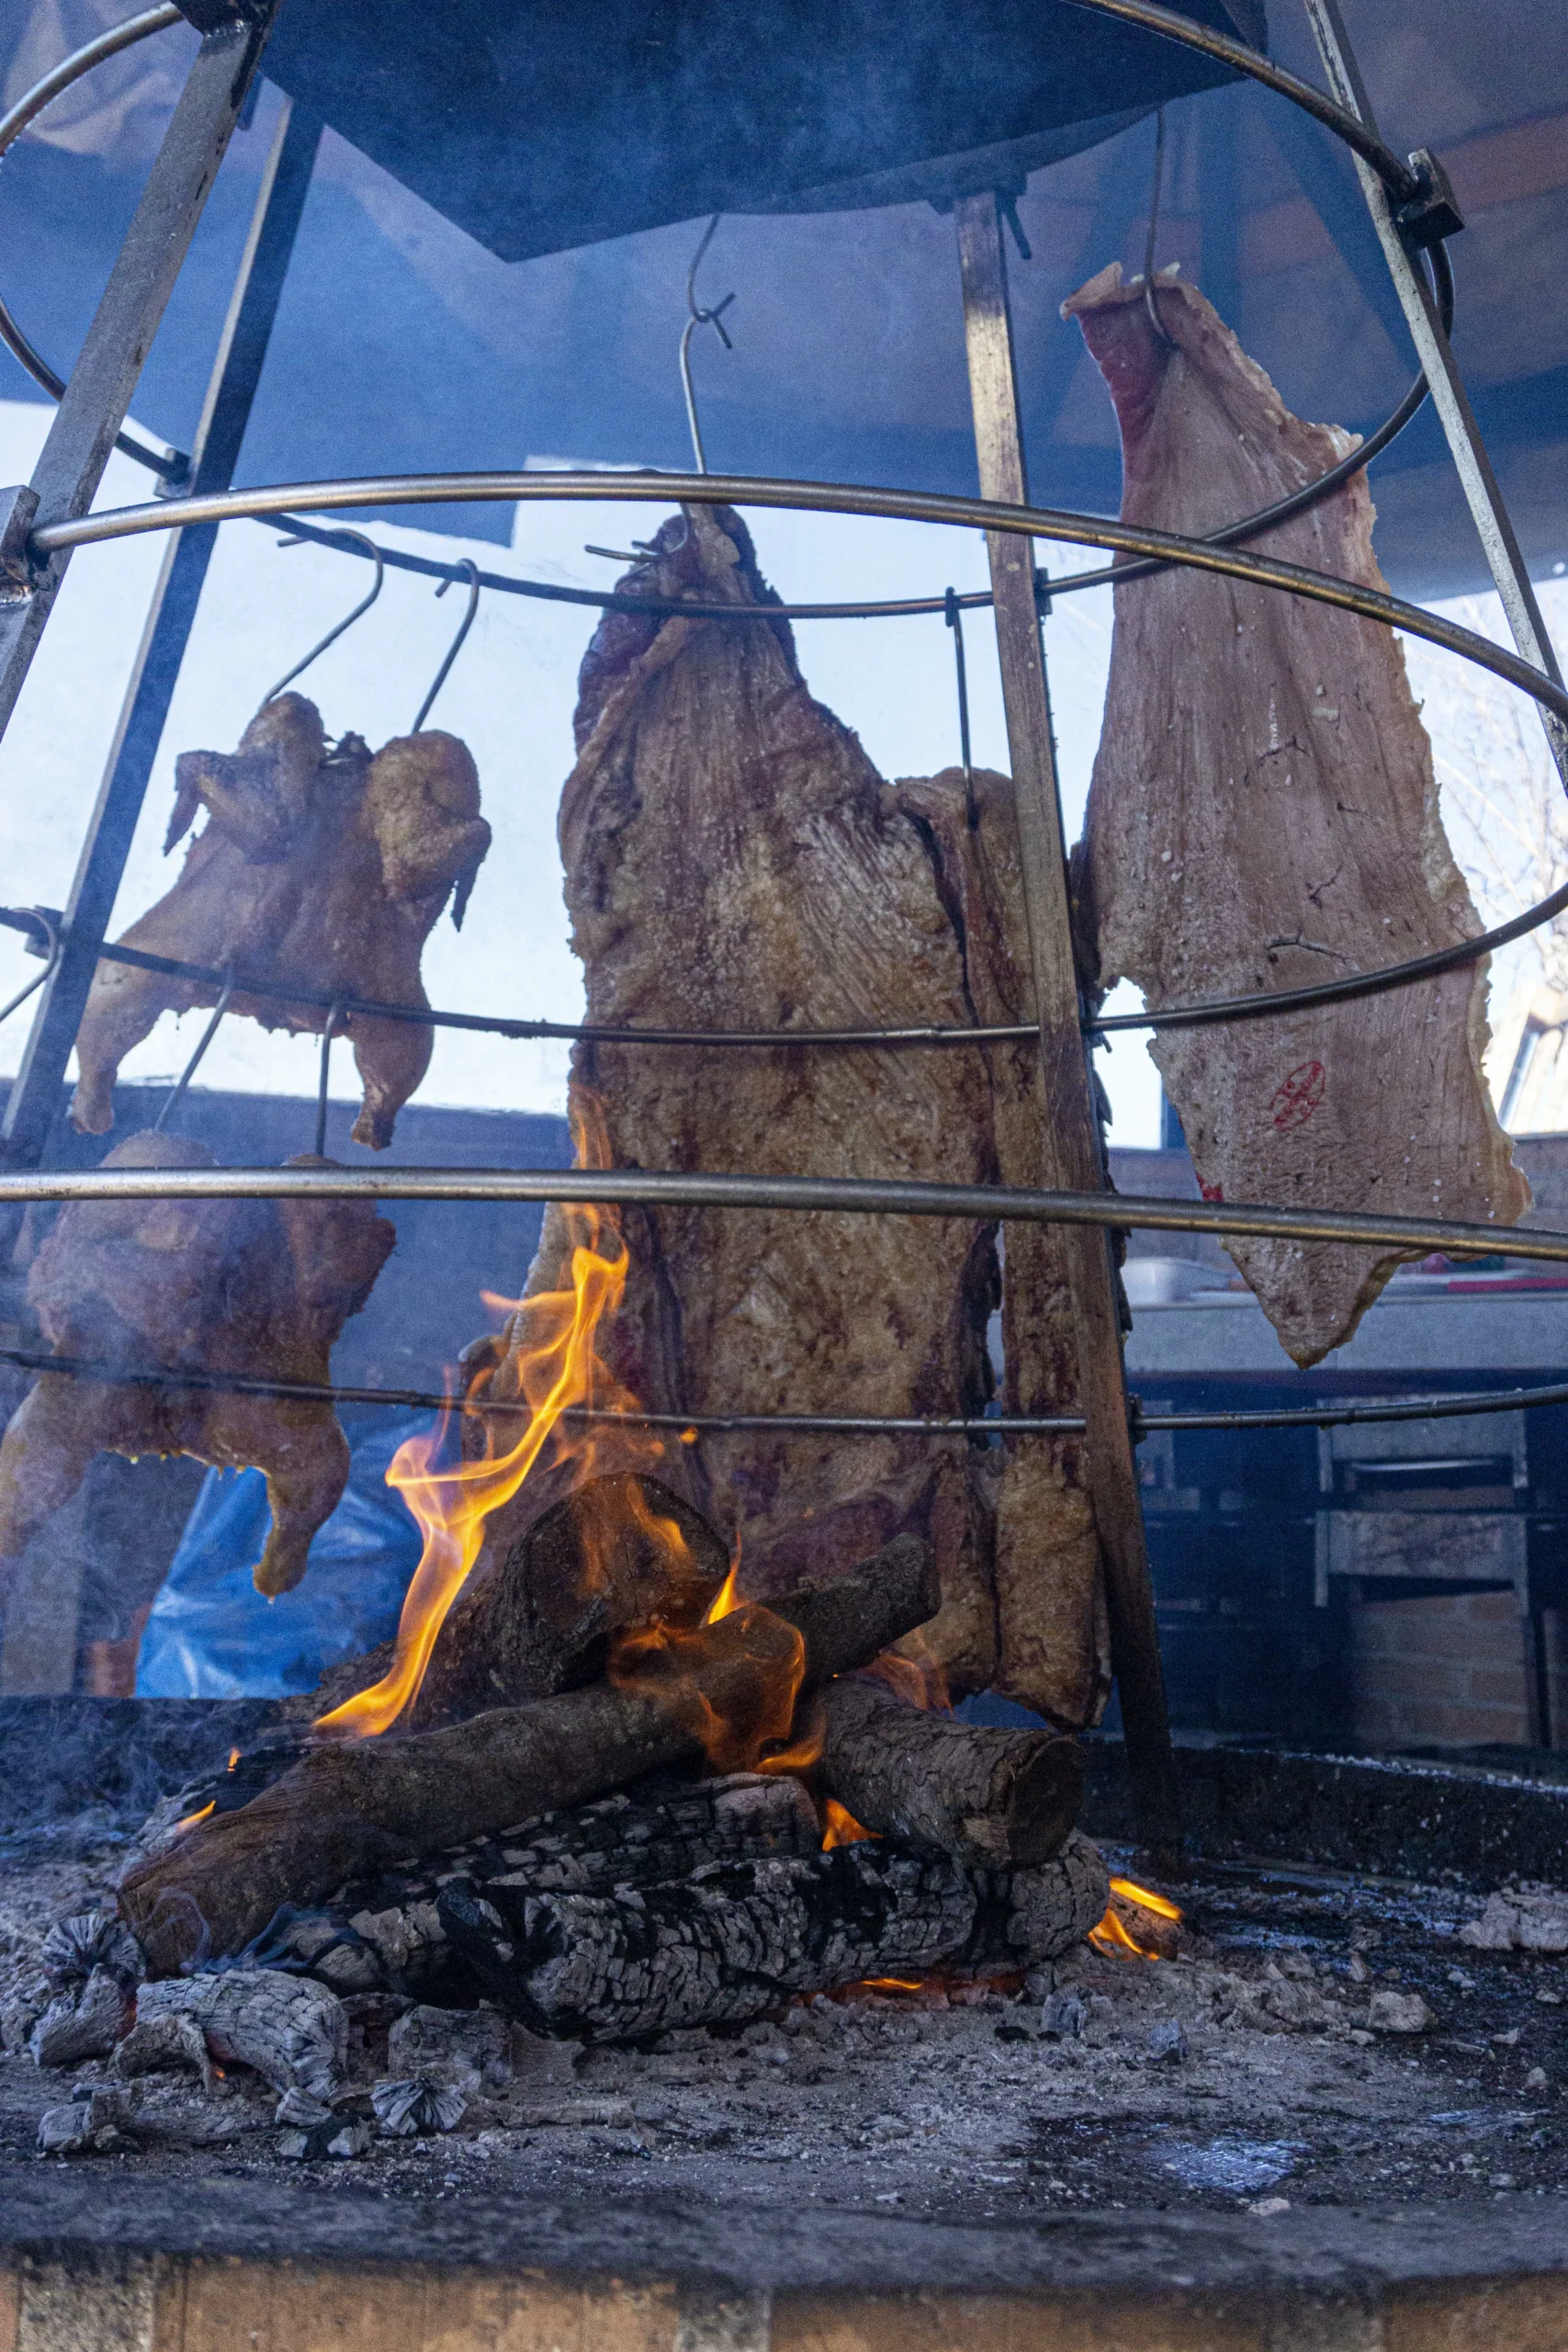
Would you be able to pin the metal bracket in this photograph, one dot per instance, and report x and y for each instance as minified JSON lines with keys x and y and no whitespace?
{"x":19,"y":509}
{"x":216,"y":16}
{"x":1433,"y":213}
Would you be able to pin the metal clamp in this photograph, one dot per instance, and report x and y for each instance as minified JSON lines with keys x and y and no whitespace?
{"x":18,"y":511}
{"x":1432,"y":213}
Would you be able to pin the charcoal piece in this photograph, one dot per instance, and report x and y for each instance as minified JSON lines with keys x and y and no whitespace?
{"x":469,"y":2048}
{"x":1263,"y":817}
{"x":409,"y":2107}
{"x":74,"y":1948}
{"x":348,"y":1811}
{"x":1168,"y":2042}
{"x":991,"y":1796}
{"x":1047,"y":1909}
{"x":725,"y":1944}
{"x":290,"y":2031}
{"x":97,"y":2121}
{"x":1064,"y":2018}
{"x":86,"y":2023}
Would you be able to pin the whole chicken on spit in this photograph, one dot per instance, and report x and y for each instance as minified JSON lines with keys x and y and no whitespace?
{"x":326,"y":871}
{"x":258,"y":1287}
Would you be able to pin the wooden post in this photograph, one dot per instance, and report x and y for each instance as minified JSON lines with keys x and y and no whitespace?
{"x":1072,"y":1147}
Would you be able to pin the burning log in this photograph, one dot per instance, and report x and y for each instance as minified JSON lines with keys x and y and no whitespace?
{"x":345,"y":1812}
{"x":614,"y":1552}
{"x":990,"y":1797}
{"x":737,"y":1938}
{"x":387,"y":1935}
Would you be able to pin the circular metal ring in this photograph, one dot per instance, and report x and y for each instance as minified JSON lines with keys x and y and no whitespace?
{"x":832,"y":1196}
{"x":832,"y":498}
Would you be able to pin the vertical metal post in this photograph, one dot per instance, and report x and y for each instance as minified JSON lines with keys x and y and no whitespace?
{"x":95,"y":403}
{"x":1449,"y":398}
{"x":231,"y":392}
{"x":1073,"y":1154}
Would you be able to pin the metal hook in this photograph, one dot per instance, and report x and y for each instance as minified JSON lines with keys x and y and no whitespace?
{"x":954,"y":617}
{"x":208,"y":1034}
{"x":1149,"y":303}
{"x":332,"y":635}
{"x":56,"y":949}
{"x":700,"y":318}
{"x":471,"y":568}
{"x":328,"y":1033}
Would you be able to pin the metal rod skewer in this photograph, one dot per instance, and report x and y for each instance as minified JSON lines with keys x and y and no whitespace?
{"x":176,"y":1092}
{"x":115,"y":1371}
{"x":329,"y":1032}
{"x":1072,"y":1149}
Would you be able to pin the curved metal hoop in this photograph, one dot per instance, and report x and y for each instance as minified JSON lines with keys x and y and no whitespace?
{"x":12,"y":125}
{"x":830,"y":1195}
{"x":833,"y":497}
{"x":1447,"y":1407}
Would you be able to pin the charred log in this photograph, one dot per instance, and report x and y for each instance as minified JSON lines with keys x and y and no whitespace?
{"x":345,"y":1811}
{"x":386,"y":1935}
{"x":294,"y":2034}
{"x":735,"y":1939}
{"x":991,"y":1797}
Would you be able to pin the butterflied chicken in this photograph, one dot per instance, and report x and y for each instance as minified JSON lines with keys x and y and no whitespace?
{"x":1263,"y":815}
{"x":257,"y":1287}
{"x":326,"y":872}
{"x":734,"y":861}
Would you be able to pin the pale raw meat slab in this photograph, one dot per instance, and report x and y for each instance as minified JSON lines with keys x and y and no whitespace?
{"x":1263,"y":815}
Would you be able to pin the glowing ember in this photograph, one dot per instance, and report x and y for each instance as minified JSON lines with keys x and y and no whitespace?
{"x":552,"y":1354}
{"x":1137,"y":1922}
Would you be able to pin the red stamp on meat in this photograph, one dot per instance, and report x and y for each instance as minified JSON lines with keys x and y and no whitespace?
{"x":1299,"y":1097}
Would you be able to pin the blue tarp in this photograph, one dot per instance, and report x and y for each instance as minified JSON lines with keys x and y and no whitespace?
{"x":212,"y":1636}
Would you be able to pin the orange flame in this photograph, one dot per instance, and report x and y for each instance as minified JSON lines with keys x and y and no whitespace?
{"x":192,"y":1819}
{"x":1120,"y":1931}
{"x":913,"y":1672}
{"x":840,"y":1826}
{"x":551,"y":1350}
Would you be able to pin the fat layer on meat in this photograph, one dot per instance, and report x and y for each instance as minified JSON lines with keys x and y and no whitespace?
{"x":257,"y":1287}
{"x":1263,"y":815}
{"x":326,"y":873}
{"x":734,"y":861}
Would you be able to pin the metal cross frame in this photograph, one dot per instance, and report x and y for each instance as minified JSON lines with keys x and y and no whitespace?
{"x":1407,"y":204}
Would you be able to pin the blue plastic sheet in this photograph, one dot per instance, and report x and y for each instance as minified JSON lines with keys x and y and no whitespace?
{"x":212,"y":1636}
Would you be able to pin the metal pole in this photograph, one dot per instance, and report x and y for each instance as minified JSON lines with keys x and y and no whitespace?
{"x":1073,"y":1151}
{"x":1483,"y":495}
{"x":95,"y":403}
{"x":231,"y":391}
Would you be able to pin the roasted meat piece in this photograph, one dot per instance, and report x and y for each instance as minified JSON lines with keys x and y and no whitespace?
{"x":734,"y":861}
{"x":326,"y":872}
{"x":257,"y":1287}
{"x":1263,"y":815}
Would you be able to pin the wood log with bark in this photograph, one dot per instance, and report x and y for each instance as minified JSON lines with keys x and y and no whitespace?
{"x":539,"y":1616}
{"x":345,"y":1810}
{"x":989,"y":1796}
{"x":734,"y":1939}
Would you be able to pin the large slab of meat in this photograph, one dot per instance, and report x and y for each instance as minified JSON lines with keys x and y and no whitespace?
{"x":321,"y":871}
{"x":734,"y":861}
{"x":261,"y":1288}
{"x":1263,"y":815}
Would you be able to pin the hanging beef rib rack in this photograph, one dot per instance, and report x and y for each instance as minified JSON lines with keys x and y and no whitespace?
{"x":968,"y":122}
